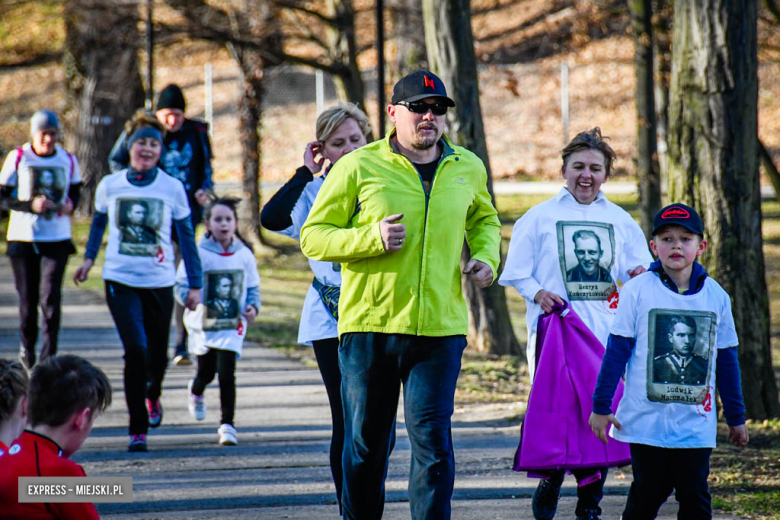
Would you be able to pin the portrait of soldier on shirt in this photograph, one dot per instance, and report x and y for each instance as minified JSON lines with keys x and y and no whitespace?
{"x":221,"y":303}
{"x":680,"y":365}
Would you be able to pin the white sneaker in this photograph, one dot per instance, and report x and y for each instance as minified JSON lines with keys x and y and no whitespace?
{"x":197,"y":404}
{"x":227,"y":435}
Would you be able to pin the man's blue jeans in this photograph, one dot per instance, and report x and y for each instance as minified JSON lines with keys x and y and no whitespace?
{"x":373,"y":366}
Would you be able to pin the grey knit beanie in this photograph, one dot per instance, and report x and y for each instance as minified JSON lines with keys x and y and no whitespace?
{"x":43,"y":119}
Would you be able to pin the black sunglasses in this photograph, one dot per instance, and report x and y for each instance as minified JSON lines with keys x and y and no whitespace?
{"x":421,"y":107}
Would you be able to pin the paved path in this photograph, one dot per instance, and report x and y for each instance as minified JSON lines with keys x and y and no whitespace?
{"x":280,"y":467}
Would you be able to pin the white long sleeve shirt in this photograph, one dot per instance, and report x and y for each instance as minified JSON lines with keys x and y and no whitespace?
{"x":581,"y":252}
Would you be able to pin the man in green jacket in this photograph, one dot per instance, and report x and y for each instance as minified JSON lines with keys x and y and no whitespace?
{"x":395,"y":214}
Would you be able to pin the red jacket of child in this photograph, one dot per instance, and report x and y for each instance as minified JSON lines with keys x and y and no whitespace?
{"x":33,"y":455}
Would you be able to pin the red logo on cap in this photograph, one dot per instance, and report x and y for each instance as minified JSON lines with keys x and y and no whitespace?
{"x":429,"y":82}
{"x":675,"y":213}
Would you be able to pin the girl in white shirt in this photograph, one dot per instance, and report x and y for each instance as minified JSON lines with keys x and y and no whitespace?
{"x":41,"y":184}
{"x":217,"y":328}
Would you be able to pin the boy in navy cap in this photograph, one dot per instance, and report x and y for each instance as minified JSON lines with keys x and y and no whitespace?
{"x":673,"y":314}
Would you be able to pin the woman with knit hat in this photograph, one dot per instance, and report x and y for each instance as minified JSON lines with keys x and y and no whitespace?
{"x":186,"y":156}
{"x":40,"y":184}
{"x":140,"y":205}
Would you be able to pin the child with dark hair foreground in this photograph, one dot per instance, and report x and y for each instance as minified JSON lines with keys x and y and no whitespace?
{"x":13,"y":402}
{"x":231,"y":300}
{"x":65,"y":396}
{"x":675,"y":330}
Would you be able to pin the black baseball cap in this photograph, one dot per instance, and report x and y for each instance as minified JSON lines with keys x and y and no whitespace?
{"x":420,"y":85}
{"x":681,"y":215}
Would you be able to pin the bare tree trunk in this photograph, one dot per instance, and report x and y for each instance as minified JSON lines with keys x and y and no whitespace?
{"x":662,"y":72}
{"x":406,"y":34}
{"x":250,"y":115}
{"x":647,"y":150}
{"x":343,"y":49}
{"x":713,"y":166}
{"x":103,"y":81}
{"x":450,"y":47}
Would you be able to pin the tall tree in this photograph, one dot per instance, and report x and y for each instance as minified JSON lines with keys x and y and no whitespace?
{"x":647,"y":150}
{"x":450,"y":46}
{"x":103,"y":81}
{"x":662,"y":73}
{"x":713,"y":166}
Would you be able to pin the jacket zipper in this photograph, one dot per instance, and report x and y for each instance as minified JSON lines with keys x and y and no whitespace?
{"x":425,"y":228}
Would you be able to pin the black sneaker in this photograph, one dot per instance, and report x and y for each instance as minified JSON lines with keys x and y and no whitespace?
{"x":545,"y":499}
{"x":137,"y":443}
{"x":589,"y":514}
{"x":155,"y":413}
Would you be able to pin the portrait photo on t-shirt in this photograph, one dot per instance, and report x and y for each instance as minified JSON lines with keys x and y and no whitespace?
{"x":680,"y":353}
{"x":139,"y":222}
{"x":222,"y":290}
{"x":49,"y":181}
{"x":586,"y":252}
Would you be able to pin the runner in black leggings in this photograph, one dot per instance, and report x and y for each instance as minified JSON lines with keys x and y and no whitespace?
{"x":340,"y":129}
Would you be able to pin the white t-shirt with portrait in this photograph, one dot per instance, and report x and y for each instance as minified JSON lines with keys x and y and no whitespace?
{"x":139,"y":251}
{"x":669,"y":397}
{"x":35,"y":175}
{"x":217,"y":322}
{"x":582,"y":252}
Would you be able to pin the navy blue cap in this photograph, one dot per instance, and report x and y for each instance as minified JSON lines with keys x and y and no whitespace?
{"x":681,"y":215}
{"x":420,"y":85}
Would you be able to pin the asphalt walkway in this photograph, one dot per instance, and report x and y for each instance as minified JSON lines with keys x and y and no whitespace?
{"x":280,"y":467}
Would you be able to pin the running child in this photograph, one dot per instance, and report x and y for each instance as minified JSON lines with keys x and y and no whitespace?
{"x":671,"y":322}
{"x":13,"y":402}
{"x":217,"y":327}
{"x":66,"y":395}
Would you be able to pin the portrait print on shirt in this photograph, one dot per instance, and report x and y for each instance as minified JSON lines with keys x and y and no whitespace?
{"x":679,"y":355}
{"x":139,"y":222}
{"x":222,"y":290}
{"x":176,"y":162}
{"x":49,"y":181}
{"x":586,"y":252}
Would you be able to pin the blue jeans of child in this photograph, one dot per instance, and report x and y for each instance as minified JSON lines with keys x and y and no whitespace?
{"x":659,"y":471}
{"x":373,"y":367}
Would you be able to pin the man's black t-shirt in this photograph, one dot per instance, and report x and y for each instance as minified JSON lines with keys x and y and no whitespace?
{"x":427,"y":171}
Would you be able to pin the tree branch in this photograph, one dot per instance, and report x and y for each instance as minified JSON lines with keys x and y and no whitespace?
{"x":292,"y":5}
{"x":774,"y":8}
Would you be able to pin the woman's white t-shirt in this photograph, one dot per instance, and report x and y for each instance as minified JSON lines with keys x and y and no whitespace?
{"x":33,"y":175}
{"x":316,"y":321}
{"x":139,"y":251}
{"x":581,"y":252}
{"x":669,"y":399}
{"x":217,"y":322}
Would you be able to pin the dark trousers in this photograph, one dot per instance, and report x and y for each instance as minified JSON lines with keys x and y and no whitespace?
{"x":143,"y":320}
{"x":373,"y":366}
{"x":38,"y":280}
{"x":658,"y":472}
{"x":222,"y":362}
{"x":327,"y":353}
